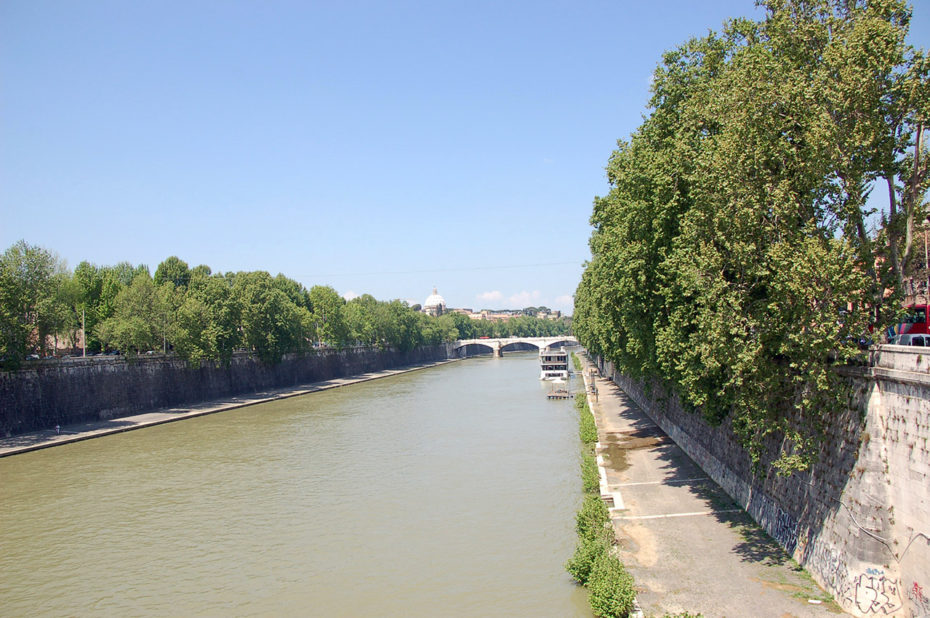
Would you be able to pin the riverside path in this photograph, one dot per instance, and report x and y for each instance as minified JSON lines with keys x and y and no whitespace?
{"x":689,"y":547}
{"x":35,"y":440}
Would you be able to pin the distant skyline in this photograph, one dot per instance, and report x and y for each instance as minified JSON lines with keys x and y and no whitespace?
{"x":380,"y":148}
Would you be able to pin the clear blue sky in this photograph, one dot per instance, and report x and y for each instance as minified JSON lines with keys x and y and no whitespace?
{"x":379,"y":147}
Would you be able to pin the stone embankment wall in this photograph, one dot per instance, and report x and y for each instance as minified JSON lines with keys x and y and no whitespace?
{"x":859,"y":520}
{"x":60,"y":392}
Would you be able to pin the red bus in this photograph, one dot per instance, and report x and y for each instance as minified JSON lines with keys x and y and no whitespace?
{"x":914,"y":323}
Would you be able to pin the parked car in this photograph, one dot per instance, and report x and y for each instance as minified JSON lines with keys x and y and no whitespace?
{"x":911,"y":339}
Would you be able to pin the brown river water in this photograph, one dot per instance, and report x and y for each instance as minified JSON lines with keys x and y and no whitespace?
{"x":444,"y":492}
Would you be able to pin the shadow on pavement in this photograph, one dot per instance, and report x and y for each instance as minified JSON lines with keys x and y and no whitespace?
{"x":679,"y":469}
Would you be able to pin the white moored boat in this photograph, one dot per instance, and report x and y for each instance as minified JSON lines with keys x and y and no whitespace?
{"x":553,"y":364}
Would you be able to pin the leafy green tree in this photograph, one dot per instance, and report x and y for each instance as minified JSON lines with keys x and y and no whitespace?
{"x":138,"y":323}
{"x":113,"y":282}
{"x":360,"y":320}
{"x":464,"y":326}
{"x":207,"y":321}
{"x":64,"y":321}
{"x":125,"y":273}
{"x":30,"y":300}
{"x":97,"y":291}
{"x":174,"y":271}
{"x":327,"y":309}
{"x":298,"y":294}
{"x":396,"y":326}
{"x":435,"y":330}
{"x":201,"y":270}
{"x":735,"y":228}
{"x":272,"y":325}
{"x":88,"y":282}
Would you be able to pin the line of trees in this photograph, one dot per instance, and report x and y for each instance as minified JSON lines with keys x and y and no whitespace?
{"x":201,"y":315}
{"x":735,"y":256}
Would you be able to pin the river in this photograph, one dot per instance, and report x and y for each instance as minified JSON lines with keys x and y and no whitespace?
{"x":449,"y":491}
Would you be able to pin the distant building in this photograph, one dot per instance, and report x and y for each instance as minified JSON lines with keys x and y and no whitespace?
{"x":434,"y":305}
{"x":498,"y":316}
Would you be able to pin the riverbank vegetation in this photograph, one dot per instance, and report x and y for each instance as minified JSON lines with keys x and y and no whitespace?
{"x":595,"y":564}
{"x":737,"y":256}
{"x":576,"y":362}
{"x":201,"y":315}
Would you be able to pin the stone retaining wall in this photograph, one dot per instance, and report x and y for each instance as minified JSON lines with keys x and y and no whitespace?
{"x":859,"y":520}
{"x":50,"y":393}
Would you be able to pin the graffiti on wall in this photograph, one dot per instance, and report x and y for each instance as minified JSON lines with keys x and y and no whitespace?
{"x":872,"y":592}
{"x":920,"y":604}
{"x":877,"y":594}
{"x":777,"y":522}
{"x":786,"y":530}
{"x":833,"y":572}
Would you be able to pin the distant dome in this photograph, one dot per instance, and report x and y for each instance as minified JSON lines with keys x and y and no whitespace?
{"x":434,"y":304}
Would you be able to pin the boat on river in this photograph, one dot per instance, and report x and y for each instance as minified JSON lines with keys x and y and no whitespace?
{"x":553,"y":364}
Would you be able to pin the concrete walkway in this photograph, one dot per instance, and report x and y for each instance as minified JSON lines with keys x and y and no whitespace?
{"x":84,"y":431}
{"x":689,"y":547}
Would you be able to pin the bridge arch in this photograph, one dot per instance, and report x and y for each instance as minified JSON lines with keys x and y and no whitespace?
{"x":508,"y":345}
{"x":463,"y":347}
{"x":499,"y":345}
{"x":565,"y":341}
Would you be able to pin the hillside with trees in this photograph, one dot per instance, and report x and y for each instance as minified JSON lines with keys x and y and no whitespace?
{"x":736,"y":258}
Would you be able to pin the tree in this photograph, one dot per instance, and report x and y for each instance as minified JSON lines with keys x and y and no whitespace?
{"x":464,"y":326}
{"x":398,"y":326}
{"x":272,"y":325}
{"x":360,"y":319}
{"x":138,"y":322}
{"x":734,"y":231}
{"x":327,"y":310}
{"x":296,"y":292}
{"x":174,"y":271}
{"x":31,"y":305}
{"x":207,"y":321}
{"x":88,"y":283}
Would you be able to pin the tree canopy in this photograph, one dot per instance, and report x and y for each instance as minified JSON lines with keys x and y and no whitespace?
{"x":205,"y":316}
{"x":733,"y":257}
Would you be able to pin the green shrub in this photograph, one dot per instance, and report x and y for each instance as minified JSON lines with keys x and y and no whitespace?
{"x":576,"y":362}
{"x":581,"y":401}
{"x":592,"y":518}
{"x":590,"y":478}
{"x":587,"y":552}
{"x":611,"y":588}
{"x":587,"y":430}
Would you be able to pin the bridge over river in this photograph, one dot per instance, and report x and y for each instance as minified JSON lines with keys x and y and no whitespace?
{"x":497,"y":346}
